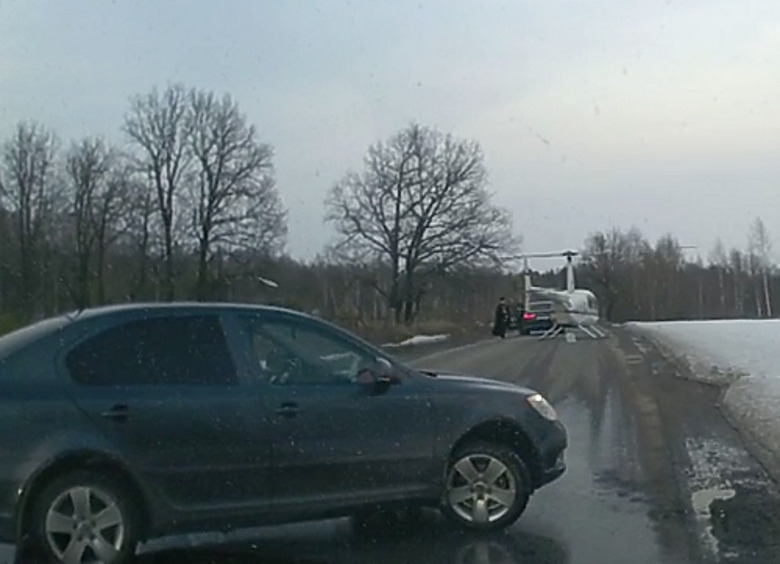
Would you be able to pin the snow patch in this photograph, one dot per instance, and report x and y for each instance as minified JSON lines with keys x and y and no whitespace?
{"x":753,"y":406}
{"x":744,"y":357}
{"x":720,"y":352}
{"x":702,"y":500}
{"x":418,"y":340}
{"x":711,"y":460}
{"x":714,"y":352}
{"x":268,"y":282}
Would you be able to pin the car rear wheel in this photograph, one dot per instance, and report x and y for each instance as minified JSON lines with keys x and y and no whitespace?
{"x":84,"y":517}
{"x":487,"y":487}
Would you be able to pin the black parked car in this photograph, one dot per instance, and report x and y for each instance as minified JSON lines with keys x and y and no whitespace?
{"x":538,"y":318}
{"x":123,"y":423}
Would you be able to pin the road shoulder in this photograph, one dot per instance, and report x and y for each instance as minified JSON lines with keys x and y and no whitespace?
{"x":735,"y":504}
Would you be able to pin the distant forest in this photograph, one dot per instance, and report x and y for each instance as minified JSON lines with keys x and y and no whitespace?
{"x":189,"y":210}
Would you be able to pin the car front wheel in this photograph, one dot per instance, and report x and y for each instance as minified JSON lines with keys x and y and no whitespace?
{"x":84,"y":517}
{"x":487,"y":487}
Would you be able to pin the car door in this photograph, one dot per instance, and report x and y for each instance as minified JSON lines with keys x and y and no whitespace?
{"x":338,"y":441}
{"x":164,"y":390}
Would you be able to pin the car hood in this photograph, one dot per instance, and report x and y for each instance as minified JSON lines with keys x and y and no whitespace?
{"x":468,"y":381}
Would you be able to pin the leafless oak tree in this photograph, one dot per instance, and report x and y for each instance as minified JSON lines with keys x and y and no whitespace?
{"x":420,"y":203}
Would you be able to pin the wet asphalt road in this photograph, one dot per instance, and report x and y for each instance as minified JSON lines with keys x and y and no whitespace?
{"x":655,"y":474}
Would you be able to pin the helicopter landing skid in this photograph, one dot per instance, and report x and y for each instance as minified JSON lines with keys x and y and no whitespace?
{"x":552,"y":332}
{"x":591,"y":331}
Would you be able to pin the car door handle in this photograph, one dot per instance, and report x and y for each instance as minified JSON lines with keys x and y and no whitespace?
{"x":288,"y":409}
{"x":119,"y":412}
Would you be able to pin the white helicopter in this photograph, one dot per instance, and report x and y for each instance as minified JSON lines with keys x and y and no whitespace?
{"x":572,"y":307}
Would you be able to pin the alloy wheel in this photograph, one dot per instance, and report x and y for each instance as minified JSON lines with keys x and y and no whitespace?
{"x":481,"y":489}
{"x":85,"y":525}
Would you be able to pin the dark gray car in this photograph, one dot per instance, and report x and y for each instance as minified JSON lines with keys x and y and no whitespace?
{"x":128,"y":422}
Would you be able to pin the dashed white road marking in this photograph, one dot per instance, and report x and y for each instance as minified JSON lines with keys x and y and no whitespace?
{"x":640,"y":345}
{"x":634,"y":359}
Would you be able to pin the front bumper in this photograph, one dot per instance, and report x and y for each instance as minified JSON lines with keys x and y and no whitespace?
{"x":553,"y":472}
{"x":551,"y":461}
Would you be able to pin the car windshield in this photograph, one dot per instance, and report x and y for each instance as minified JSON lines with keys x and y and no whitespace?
{"x":569,"y":205}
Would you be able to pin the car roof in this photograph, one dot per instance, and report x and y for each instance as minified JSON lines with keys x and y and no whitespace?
{"x":181,"y":306}
{"x":19,"y":339}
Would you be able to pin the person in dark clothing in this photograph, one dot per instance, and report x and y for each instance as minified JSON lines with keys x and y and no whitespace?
{"x":501,"y":321}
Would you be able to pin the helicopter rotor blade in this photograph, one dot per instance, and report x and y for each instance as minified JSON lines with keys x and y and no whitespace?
{"x":545,"y":255}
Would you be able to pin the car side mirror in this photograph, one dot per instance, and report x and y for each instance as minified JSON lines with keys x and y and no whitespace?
{"x":380,"y":376}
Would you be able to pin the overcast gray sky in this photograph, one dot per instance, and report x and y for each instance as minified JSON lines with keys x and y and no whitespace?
{"x":591,"y":113}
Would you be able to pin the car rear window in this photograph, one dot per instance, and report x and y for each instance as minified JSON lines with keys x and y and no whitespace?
{"x":19,"y":339}
{"x":156,"y":351}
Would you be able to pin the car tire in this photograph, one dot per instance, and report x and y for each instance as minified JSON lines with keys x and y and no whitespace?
{"x":84,"y":517}
{"x":487,"y":487}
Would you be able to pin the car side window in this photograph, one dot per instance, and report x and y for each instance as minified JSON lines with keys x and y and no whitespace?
{"x":290,"y":352}
{"x":182,"y":350}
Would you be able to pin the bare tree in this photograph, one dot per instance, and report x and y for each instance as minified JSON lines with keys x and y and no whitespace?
{"x":737,"y":263}
{"x":420,"y":204}
{"x":112,"y":218}
{"x":26,"y":192}
{"x":607,"y":256}
{"x":234,"y":200}
{"x":141,"y":228}
{"x":760,"y":248}
{"x":99,"y":190}
{"x":157,"y":124}
{"x":8,"y":262}
{"x":87,"y":166}
{"x":668,"y":263}
{"x":601,"y":263}
{"x":635,"y":251}
{"x":720,"y":261}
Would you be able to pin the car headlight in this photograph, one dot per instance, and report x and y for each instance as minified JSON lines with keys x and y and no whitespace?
{"x":542,"y":406}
